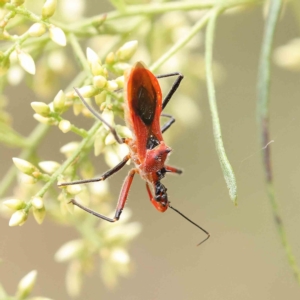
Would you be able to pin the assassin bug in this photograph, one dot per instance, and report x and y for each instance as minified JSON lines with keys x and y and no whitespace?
{"x":148,"y":151}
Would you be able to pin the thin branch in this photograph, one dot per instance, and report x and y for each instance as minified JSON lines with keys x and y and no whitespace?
{"x":263,"y":97}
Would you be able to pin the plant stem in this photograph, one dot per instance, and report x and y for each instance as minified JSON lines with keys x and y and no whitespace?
{"x":159,"y":8}
{"x":34,"y":139}
{"x":67,"y":163}
{"x":79,"y":53}
{"x":263,"y":97}
{"x":225,"y":165}
{"x":182,"y":42}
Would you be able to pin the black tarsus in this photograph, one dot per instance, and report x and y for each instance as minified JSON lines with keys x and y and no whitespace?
{"x":99,"y":117}
{"x":208,"y":234}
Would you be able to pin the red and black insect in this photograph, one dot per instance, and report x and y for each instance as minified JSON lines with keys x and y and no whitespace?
{"x":148,"y":151}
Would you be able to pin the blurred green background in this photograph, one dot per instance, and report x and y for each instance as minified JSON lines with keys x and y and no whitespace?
{"x":244,"y":258}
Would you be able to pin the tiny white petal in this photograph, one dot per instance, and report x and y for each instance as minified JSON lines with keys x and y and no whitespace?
{"x":58,"y":36}
{"x":26,"y":62}
{"x":91,"y":55}
{"x":26,"y":284}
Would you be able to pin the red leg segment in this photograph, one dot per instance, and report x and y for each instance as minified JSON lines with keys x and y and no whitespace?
{"x":173,"y":170}
{"x":121,"y":202}
{"x":158,"y":205}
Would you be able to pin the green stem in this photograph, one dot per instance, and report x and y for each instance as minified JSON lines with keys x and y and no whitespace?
{"x":182,"y":42}
{"x":34,"y":139}
{"x":225,"y":165}
{"x":67,"y":163}
{"x":159,"y":8}
{"x":79,"y":53}
{"x":21,"y":10}
{"x":263,"y":97}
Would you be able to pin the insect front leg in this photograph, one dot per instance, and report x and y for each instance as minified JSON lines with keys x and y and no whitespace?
{"x":121,"y":202}
{"x":105,"y":175}
{"x":173,"y":170}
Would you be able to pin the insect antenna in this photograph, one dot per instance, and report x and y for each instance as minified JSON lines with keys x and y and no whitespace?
{"x":99,"y":117}
{"x":207,"y":233}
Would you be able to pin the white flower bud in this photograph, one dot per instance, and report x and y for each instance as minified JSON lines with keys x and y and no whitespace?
{"x":127,"y":50}
{"x":111,"y":158}
{"x":99,"y":189}
{"x":39,"y":215}
{"x":88,"y":91}
{"x":26,"y":62}
{"x":64,"y":126}
{"x":49,"y":166}
{"x":18,"y":218}
{"x":43,"y":120}
{"x":108,"y":116}
{"x":99,"y":81}
{"x":111,"y":85}
{"x":74,"y":189}
{"x":110,"y":139}
{"x":120,"y":256}
{"x":59,"y":102}
{"x":15,"y":75}
{"x":57,"y":35}
{"x":37,"y":202}
{"x":17,"y":2}
{"x":121,"y":150}
{"x":97,"y":69}
{"x":100,"y":98}
{"x":69,"y":148}
{"x":49,"y":8}
{"x":37,"y":30}
{"x":26,"y":285}
{"x":40,"y":108}
{"x":110,"y":58}
{"x":98,"y":144}
{"x":14,"y":204}
{"x":69,"y":250}
{"x":92,"y":56}
{"x":121,"y":67}
{"x":120,"y":81}
{"x":124,"y":131}
{"x":24,"y":166}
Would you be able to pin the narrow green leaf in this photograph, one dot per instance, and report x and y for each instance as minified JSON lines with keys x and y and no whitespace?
{"x":225,"y":165}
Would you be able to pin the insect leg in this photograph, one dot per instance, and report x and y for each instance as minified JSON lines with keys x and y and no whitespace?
{"x":173,"y":170}
{"x":158,"y":205}
{"x":173,"y":88}
{"x":107,"y":174}
{"x":169,"y":123}
{"x":99,"y":117}
{"x":121,"y":202}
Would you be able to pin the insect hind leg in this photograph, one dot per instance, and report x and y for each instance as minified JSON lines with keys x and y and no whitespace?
{"x":173,"y":88}
{"x":121,"y":202}
{"x":169,"y":123}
